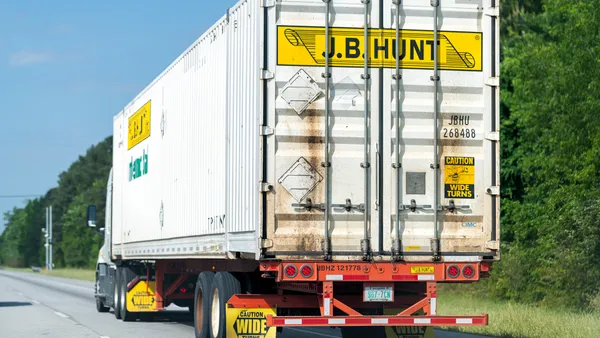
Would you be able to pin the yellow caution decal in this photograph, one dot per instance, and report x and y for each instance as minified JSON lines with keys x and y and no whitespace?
{"x":305,"y":46}
{"x":139,"y":125}
{"x":459,"y":177}
{"x":141,"y":298}
{"x":407,"y":331}
{"x":249,"y":323}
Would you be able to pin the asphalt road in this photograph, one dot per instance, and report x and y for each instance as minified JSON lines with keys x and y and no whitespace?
{"x":40,"y":306}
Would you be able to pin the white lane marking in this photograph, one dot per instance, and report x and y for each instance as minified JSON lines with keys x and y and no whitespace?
{"x":311,"y":332}
{"x":35,"y":301}
{"x":21,"y":293}
{"x":60,"y":314}
{"x":104,"y":337}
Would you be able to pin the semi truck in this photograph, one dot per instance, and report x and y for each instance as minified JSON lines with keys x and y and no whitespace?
{"x":322,"y":163}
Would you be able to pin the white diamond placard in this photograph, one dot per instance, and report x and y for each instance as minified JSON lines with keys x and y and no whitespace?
{"x":300,"y":179}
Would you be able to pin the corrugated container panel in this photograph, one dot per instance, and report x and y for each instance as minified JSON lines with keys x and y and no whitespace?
{"x":118,"y":172}
{"x":178,"y":207}
{"x":463,"y":123}
{"x":195,"y":138}
{"x":244,"y":94}
{"x":463,"y":166}
{"x":297,"y":150}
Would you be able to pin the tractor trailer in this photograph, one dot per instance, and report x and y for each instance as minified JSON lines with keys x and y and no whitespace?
{"x":310,"y":163}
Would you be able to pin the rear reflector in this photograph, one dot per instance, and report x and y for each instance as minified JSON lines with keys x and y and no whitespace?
{"x":306,"y":271}
{"x":291,"y":271}
{"x":453,"y":271}
{"x":468,"y":271}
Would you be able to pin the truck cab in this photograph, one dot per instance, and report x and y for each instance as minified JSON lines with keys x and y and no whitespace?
{"x":105,"y":291}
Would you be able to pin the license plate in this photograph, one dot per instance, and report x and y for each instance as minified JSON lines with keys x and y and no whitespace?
{"x":421,"y":269}
{"x":378,"y":294}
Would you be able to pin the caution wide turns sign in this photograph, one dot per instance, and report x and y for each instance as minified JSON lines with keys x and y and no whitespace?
{"x":305,"y":46}
{"x":459,"y":177}
{"x":249,"y":323}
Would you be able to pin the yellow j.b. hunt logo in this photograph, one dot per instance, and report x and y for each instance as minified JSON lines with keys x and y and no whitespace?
{"x":305,"y":46}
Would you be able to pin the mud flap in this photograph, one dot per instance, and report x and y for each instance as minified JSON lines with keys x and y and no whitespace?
{"x":407,"y":331}
{"x":141,"y":297}
{"x":249,"y":323}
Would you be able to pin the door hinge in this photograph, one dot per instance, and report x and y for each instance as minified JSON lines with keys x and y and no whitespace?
{"x":266,"y":243}
{"x":493,"y":136}
{"x":265,"y":74}
{"x":493,"y":81}
{"x":265,"y":131}
{"x":492,"y":11}
{"x":493,"y":190}
{"x":492,"y":245}
{"x":267,"y":3}
{"x":265,"y":187}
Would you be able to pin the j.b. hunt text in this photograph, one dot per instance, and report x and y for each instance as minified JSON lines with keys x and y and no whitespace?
{"x":383,"y":48}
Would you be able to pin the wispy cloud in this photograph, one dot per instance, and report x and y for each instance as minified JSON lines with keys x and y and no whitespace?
{"x":25,"y":58}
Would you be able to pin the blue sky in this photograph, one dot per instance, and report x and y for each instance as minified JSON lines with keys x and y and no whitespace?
{"x":66,"y":67}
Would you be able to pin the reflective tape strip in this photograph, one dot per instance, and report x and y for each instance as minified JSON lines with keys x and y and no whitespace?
{"x":433,"y":303}
{"x":426,"y":277}
{"x":347,"y":277}
{"x":379,"y":321}
{"x":386,"y":321}
{"x":413,"y":277}
{"x":327,"y":306}
{"x":334,"y":277}
{"x":405,"y":277}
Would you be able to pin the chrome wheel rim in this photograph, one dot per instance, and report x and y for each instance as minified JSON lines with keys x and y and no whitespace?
{"x":215,"y":313}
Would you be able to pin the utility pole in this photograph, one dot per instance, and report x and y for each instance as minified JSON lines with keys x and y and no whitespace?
{"x":50,"y":265}
{"x":46,"y":234}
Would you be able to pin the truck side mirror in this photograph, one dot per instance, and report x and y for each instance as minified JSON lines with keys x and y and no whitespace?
{"x":91,"y":216}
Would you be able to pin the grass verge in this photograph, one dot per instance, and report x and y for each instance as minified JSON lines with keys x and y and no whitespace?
{"x":81,"y":274}
{"x":518,"y":320}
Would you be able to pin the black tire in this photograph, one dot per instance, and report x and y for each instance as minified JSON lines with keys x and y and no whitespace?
{"x":201,"y":306}
{"x":224,"y":286}
{"x":126,"y":276}
{"x":99,"y":302}
{"x":117,"y":294}
{"x":100,"y":305}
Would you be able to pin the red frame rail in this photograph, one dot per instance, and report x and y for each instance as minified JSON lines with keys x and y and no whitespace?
{"x":319,"y":287}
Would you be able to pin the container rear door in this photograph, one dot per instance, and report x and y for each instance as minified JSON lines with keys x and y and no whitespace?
{"x":440,"y":178}
{"x":466,"y":158}
{"x":304,"y":180}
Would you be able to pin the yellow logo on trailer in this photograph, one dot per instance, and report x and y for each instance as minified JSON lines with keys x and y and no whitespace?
{"x":139,"y":125}
{"x":305,"y":46}
{"x":140,"y":300}
{"x":249,"y":323}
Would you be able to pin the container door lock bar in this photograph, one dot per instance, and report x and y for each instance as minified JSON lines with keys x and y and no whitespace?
{"x":413,"y":206}
{"x":349,"y":206}
{"x":309,"y":205}
{"x":453,"y":207}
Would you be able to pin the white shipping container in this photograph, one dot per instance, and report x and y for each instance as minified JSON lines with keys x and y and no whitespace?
{"x":224,"y":152}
